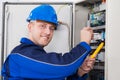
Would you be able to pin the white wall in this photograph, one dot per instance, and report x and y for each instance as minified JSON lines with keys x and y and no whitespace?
{"x":113,"y":40}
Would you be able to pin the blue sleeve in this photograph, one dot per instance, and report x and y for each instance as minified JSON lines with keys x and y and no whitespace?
{"x":43,"y":65}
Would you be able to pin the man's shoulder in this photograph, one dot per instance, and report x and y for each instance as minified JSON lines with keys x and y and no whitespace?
{"x":26,"y":49}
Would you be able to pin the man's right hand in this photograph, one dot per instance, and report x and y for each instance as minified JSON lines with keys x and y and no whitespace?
{"x":86,"y":34}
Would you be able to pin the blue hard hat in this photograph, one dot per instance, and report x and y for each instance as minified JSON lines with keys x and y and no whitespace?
{"x":43,"y":12}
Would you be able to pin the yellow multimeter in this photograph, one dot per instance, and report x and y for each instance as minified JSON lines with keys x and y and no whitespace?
{"x":100,"y":46}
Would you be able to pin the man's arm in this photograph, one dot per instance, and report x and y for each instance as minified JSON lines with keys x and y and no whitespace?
{"x":33,"y":62}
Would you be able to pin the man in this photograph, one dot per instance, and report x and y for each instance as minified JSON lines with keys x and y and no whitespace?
{"x":29,"y":60}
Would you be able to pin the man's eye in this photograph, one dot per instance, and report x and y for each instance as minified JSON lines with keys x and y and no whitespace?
{"x":42,"y":26}
{"x":52,"y":28}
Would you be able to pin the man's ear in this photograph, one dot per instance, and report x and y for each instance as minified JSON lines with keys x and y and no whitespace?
{"x":29,"y":27}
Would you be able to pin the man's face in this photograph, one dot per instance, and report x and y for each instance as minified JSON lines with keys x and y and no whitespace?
{"x":41,"y":32}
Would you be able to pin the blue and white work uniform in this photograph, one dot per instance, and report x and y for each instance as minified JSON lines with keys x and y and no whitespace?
{"x":28,"y":61}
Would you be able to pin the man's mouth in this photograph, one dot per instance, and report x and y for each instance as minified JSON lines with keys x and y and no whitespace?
{"x":45,"y":37}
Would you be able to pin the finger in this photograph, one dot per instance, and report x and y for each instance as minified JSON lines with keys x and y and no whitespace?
{"x":91,"y":62}
{"x":88,"y":59}
{"x":89,"y":66}
{"x":88,"y":28}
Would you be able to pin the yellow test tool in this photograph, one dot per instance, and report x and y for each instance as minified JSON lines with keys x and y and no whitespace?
{"x":100,"y":46}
